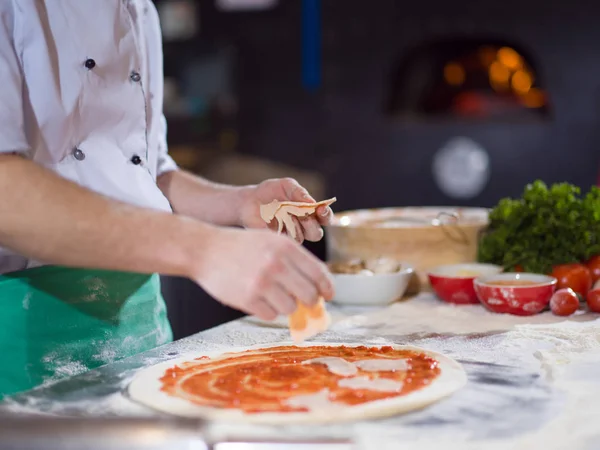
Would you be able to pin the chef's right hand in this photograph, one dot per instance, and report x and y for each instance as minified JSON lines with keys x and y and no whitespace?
{"x":262,"y":273}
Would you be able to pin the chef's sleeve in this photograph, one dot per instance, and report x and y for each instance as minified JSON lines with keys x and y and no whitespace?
{"x":165,"y":162}
{"x":12,"y":119}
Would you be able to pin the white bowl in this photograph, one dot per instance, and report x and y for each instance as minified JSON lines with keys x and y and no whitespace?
{"x":377,"y":289}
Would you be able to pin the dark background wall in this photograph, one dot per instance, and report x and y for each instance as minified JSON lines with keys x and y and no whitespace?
{"x":338,"y":123}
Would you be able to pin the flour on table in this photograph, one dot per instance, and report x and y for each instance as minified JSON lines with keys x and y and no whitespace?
{"x":565,"y":352}
{"x":426,"y":314}
{"x":62,"y":367}
{"x":546,"y":358}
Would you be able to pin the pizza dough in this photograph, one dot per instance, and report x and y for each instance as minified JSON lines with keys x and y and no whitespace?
{"x":146,"y":388}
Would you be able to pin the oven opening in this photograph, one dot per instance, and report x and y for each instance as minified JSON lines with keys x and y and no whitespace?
{"x":467,"y":79}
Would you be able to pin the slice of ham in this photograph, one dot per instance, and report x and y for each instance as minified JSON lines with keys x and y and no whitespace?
{"x":306,"y":321}
{"x":283,"y":212}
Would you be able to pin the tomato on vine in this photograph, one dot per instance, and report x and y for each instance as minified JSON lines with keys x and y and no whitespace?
{"x":574,"y":276}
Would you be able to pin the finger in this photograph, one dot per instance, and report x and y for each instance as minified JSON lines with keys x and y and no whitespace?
{"x":295,"y":192}
{"x":312,"y":229}
{"x":298,"y":285}
{"x":262,"y":225}
{"x":313,"y":269}
{"x":272,"y":225}
{"x":324,"y":215}
{"x":261,"y":309}
{"x":280,"y":300}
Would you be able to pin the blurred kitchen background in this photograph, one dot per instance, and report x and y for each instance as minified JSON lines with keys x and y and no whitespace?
{"x":380,"y":103}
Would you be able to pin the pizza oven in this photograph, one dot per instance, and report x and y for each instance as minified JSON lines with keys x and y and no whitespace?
{"x":459,"y":104}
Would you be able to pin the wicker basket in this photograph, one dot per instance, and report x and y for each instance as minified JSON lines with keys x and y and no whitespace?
{"x":424,"y":237}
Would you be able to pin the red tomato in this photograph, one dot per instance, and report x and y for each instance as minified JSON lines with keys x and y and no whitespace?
{"x":564,"y":302}
{"x":575,"y":276}
{"x":593,"y":300}
{"x":593,"y":265}
{"x":519,"y":268}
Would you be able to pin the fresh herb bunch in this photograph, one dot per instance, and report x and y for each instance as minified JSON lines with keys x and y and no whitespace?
{"x":544,"y":228}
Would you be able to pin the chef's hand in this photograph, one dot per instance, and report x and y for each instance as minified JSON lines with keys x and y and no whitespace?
{"x":284,"y":189}
{"x":261,"y":273}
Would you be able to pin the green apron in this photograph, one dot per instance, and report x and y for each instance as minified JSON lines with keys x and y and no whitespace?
{"x":56,"y":322}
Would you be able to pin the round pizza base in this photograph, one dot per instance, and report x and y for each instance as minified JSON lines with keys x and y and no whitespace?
{"x":145,"y":389}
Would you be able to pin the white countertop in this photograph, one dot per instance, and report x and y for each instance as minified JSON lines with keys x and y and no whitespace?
{"x":534,"y":382}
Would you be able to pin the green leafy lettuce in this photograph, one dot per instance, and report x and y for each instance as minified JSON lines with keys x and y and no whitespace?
{"x":543,"y":228}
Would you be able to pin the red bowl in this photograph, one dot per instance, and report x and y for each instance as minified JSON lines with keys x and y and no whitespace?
{"x":454,"y":283}
{"x":521,"y":294}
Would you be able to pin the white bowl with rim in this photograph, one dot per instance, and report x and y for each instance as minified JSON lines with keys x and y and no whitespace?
{"x":371,"y":289}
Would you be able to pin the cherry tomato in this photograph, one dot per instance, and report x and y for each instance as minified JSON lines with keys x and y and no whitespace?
{"x":593,"y":265}
{"x":575,"y":276}
{"x":564,"y":302}
{"x":593,"y":300}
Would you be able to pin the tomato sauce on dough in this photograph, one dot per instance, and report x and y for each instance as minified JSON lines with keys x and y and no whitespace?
{"x":263,"y":380}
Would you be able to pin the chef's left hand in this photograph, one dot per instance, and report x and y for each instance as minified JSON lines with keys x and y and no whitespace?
{"x":283,"y":189}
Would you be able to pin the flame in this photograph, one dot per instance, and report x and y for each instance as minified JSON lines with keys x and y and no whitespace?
{"x":510,"y":58}
{"x":454,"y":74}
{"x":521,"y":82}
{"x":534,"y":98}
{"x":499,"y":75}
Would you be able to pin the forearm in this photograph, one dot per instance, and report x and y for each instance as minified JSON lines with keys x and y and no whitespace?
{"x":201,"y":199}
{"x":49,"y":219}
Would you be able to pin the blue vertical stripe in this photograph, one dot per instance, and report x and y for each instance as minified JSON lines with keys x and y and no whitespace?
{"x":311,"y":44}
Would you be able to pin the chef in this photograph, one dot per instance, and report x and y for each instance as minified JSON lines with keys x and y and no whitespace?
{"x":93,"y":208}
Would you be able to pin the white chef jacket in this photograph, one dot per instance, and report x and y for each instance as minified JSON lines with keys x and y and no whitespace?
{"x":81,"y":94}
